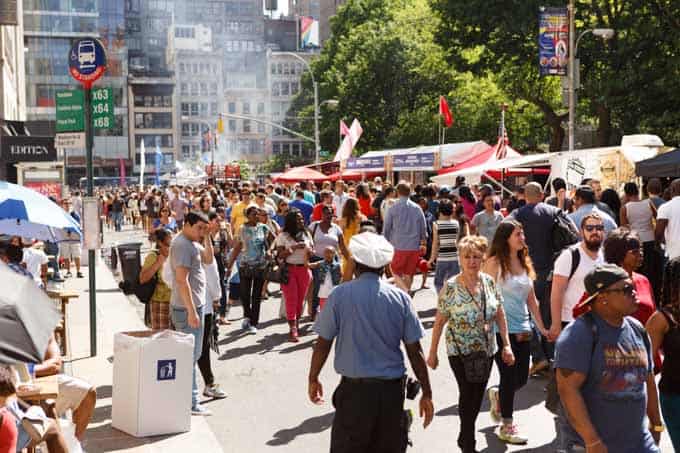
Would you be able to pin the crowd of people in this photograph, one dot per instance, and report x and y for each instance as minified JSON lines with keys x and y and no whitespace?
{"x":582,"y":286}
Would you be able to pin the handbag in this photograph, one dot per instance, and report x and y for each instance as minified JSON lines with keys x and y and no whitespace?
{"x":277,"y":271}
{"x":476,"y":365}
{"x":144,"y":291}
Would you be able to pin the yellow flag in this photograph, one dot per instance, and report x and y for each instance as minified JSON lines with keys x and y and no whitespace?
{"x":220,"y":126}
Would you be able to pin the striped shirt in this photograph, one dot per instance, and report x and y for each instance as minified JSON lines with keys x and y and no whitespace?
{"x":448,"y":238}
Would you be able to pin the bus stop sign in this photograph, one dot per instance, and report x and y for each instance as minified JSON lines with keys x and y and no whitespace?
{"x":87,"y":61}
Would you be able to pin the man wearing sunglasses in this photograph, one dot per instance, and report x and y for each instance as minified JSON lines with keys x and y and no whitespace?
{"x":604,"y":370}
{"x":571,"y":268}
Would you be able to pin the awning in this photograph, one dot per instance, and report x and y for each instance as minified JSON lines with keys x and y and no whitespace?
{"x":485,"y":157}
{"x":450,"y":153}
{"x":301,"y":174}
{"x":666,"y":165}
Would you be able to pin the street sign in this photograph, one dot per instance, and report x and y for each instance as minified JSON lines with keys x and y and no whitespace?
{"x":87,"y":61}
{"x":102,"y":108}
{"x":70,"y":116}
{"x":72,"y":140}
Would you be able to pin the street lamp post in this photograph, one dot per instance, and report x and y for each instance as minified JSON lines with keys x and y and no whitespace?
{"x":604,"y":33}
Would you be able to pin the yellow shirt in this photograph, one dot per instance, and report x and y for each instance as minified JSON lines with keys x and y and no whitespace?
{"x":162,"y":292}
{"x":238,"y":215}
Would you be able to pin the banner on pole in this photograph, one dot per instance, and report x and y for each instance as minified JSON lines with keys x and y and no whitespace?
{"x":553,"y":41}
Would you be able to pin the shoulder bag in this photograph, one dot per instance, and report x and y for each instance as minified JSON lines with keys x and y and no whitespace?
{"x":144,"y":291}
{"x":477,"y":364}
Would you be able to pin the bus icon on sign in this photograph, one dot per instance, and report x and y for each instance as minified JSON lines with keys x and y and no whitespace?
{"x":86,"y":54}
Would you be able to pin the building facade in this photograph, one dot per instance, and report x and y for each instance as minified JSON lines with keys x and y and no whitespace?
{"x":49,"y":29}
{"x":327,"y":9}
{"x":12,"y":71}
{"x":151,"y":84}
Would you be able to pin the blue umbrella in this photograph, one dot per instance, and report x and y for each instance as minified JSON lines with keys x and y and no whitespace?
{"x":27,"y":213}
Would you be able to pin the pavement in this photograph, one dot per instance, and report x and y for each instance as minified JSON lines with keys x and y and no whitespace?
{"x":265,"y":377}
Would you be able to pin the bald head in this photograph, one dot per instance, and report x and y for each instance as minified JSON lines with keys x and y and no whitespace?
{"x":675,"y":187}
{"x":533,"y":192}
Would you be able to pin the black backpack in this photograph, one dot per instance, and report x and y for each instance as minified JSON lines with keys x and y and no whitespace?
{"x":563,"y":233}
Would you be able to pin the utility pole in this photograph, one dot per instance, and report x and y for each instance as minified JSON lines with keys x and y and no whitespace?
{"x":572,"y":74}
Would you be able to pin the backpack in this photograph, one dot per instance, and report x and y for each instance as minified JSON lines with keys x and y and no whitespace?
{"x":563,"y":233}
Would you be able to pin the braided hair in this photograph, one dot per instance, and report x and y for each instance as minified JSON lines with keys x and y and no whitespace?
{"x":670,"y":290}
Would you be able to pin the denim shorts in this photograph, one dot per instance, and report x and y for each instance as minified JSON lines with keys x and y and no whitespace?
{"x":444,"y":271}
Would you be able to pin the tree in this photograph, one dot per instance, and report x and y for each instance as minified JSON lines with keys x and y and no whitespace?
{"x":617,"y":77}
{"x":384,"y":67}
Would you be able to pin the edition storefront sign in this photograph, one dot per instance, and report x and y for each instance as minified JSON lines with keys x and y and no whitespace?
{"x":27,"y":149}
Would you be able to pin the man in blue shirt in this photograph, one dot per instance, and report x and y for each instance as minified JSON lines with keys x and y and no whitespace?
{"x":585,"y":203}
{"x":304,"y":206}
{"x":604,"y":370}
{"x":370,"y":319}
{"x":406,"y":229}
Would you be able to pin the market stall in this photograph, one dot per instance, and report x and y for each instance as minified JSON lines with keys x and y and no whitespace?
{"x":301,"y":174}
{"x":666,"y":165}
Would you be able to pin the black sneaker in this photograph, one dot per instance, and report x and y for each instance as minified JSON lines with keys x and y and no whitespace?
{"x":79,"y":275}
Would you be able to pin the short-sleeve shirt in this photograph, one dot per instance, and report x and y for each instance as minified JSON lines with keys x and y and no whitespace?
{"x":162,"y":292}
{"x":186,"y":253}
{"x":285,"y":240}
{"x":465,"y":332}
{"x":616,"y":362}
{"x":575,"y":286}
{"x":238,"y":214}
{"x":671,"y":211}
{"x":254,"y":240}
{"x":370,"y":319}
{"x":487,"y":224}
{"x":34,"y":260}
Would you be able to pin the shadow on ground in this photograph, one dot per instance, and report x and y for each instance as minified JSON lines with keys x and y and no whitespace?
{"x":312,"y":425}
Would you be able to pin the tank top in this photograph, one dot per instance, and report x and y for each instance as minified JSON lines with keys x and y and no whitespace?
{"x":639,"y":215}
{"x":447,"y":231}
{"x":670,"y":373}
{"x":515,"y":290}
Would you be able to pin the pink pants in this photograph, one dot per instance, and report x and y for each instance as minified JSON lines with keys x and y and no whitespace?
{"x":322,"y":302}
{"x":299,"y":278}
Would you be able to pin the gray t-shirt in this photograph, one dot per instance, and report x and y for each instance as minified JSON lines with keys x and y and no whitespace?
{"x":186,"y":253}
{"x":487,"y":224}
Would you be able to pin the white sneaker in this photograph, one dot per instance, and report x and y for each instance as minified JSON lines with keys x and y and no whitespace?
{"x":511,"y":435}
{"x":214,"y":391}
{"x":245,"y":323}
{"x":201,"y":410}
{"x":494,"y":403}
{"x":252,"y":330}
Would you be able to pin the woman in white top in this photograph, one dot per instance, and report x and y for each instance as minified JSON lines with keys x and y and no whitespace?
{"x":639,"y":216}
{"x":294,"y":244}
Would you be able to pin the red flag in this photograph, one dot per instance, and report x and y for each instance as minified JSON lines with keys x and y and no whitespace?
{"x":344,"y":129}
{"x":445,"y":112}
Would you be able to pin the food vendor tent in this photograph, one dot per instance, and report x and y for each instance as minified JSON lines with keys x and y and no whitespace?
{"x":666,"y":165}
{"x":301,"y":174}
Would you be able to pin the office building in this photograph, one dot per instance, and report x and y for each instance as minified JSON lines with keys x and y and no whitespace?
{"x":49,"y":29}
{"x":327,"y":9}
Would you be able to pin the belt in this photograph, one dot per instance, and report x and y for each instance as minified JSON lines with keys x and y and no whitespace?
{"x":351,"y":380}
{"x":296,"y":265}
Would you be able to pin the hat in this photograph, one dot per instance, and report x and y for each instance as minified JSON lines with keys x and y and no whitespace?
{"x":444,"y":191}
{"x":601,"y":278}
{"x":371,"y":250}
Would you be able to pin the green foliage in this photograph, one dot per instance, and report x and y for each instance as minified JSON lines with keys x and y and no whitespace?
{"x":277,"y":163}
{"x":385,"y":68}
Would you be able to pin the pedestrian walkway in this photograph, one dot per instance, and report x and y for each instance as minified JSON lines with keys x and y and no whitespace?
{"x":116,"y":313}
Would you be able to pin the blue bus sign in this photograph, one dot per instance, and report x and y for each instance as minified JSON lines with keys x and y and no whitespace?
{"x":87,"y":60}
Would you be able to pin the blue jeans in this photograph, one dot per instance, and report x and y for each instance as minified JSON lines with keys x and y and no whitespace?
{"x":117,"y":220}
{"x":316,"y":283}
{"x":179,"y":316}
{"x":670,"y":408}
{"x":444,"y":271}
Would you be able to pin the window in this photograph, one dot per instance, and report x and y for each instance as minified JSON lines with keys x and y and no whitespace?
{"x":167,"y":101}
{"x":185,"y":109}
{"x":232,"y":125}
{"x":286,"y":68}
{"x":148,"y":101}
{"x":285,"y":148}
{"x":186,"y":130}
{"x":285,"y":89}
{"x":194,"y":89}
{"x":181,"y":68}
{"x":139,"y":120}
{"x":246,"y":126}
{"x":184,"y":89}
{"x":195,"y":130}
{"x":246,"y":108}
{"x":203,"y":108}
{"x":213,"y":108}
{"x":276,"y":148}
{"x":186,"y":151}
{"x":164,"y":141}
{"x":232,"y":107}
{"x":204,"y":89}
{"x":260,"y":108}
{"x":276,"y":89}
{"x":279,"y":67}
{"x":194,"y":109}
{"x":158,"y":120}
{"x":294,"y":87}
{"x":260,"y":128}
{"x":213,"y":89}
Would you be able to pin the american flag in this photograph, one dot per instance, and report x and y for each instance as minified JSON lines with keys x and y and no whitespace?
{"x":503,"y":141}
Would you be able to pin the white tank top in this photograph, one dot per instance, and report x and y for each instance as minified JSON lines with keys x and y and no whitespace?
{"x":639,"y":215}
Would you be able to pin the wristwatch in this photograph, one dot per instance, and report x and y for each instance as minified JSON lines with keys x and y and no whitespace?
{"x":657,"y":428}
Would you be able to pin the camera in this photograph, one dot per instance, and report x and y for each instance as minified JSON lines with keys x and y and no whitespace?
{"x":412,"y":388}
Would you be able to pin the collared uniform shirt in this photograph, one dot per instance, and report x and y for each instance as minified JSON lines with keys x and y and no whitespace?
{"x":405,"y":225}
{"x":369,"y":318}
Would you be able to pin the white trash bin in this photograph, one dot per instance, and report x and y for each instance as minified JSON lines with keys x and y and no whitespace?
{"x":152,"y":373}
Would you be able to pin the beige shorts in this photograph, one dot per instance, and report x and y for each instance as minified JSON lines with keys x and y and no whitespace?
{"x":70,"y":250}
{"x":72,"y":392}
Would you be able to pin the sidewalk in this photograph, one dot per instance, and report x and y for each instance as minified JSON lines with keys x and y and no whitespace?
{"x":116,"y":313}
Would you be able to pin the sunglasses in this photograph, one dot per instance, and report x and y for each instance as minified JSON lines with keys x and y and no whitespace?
{"x":627,"y":290}
{"x":591,"y":228}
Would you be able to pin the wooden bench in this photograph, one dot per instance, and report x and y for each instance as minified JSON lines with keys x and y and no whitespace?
{"x":45,"y":396}
{"x":64,"y":297}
